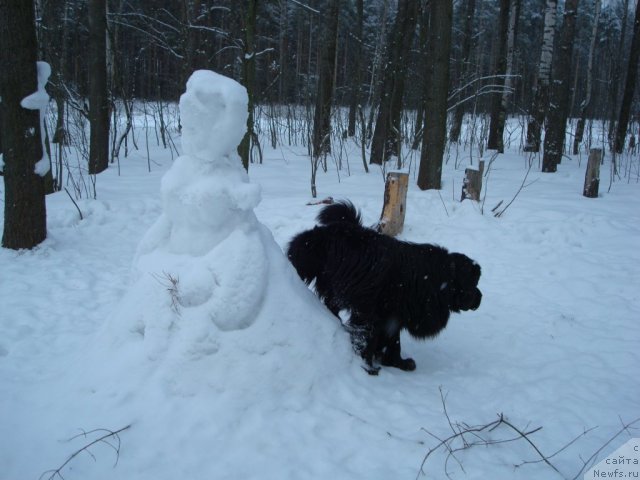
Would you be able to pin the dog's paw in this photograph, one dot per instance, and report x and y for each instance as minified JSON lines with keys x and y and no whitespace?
{"x":371,"y":370}
{"x":407,"y":364}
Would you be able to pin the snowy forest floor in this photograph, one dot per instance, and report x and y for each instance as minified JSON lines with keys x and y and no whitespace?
{"x":555,"y":343}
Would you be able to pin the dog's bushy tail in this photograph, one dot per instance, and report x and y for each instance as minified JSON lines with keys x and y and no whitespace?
{"x":342,"y":211}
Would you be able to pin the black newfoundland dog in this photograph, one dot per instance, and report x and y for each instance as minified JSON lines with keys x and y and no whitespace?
{"x":386,"y":284}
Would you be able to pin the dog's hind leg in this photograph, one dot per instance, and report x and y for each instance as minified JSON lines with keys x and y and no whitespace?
{"x":391,"y":355}
{"x":365,"y":337}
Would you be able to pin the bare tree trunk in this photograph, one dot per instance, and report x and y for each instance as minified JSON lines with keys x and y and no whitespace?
{"x":541,"y":95}
{"x":25,"y":218}
{"x":249,"y":74}
{"x":577,"y":139}
{"x":356,"y":78}
{"x":514,"y":13}
{"x":495,"y":135}
{"x":322,"y":116}
{"x":385,"y":137}
{"x":458,"y":113}
{"x":615,"y":77}
{"x":98,"y":95}
{"x":630,"y":85}
{"x":560,"y":90}
{"x":435,"y":130}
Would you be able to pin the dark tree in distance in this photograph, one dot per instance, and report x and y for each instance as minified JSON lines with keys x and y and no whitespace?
{"x":249,"y":75}
{"x":495,"y":134}
{"x":577,"y":139}
{"x":458,"y":112}
{"x":356,"y":77}
{"x":616,"y":67}
{"x":25,"y":219}
{"x":324,"y":95}
{"x":630,"y":84}
{"x":98,"y":94}
{"x":560,"y":90}
{"x":385,"y":136}
{"x":435,"y":122}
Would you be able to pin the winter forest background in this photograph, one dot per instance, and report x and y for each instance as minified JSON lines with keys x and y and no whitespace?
{"x":150,"y":326}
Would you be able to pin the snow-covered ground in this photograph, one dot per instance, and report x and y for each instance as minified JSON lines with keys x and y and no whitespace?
{"x":196,"y":333}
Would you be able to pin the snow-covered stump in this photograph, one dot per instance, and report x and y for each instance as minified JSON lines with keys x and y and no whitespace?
{"x":472,"y":184}
{"x":592,"y":176}
{"x":395,"y":203}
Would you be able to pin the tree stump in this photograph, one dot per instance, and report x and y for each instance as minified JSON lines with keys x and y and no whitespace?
{"x":395,"y":201}
{"x":592,"y":177}
{"x":472,"y":184}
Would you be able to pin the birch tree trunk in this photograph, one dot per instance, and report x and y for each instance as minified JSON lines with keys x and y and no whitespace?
{"x":541,"y":94}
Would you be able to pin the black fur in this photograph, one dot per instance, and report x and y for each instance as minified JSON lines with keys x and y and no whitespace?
{"x":386,"y":284}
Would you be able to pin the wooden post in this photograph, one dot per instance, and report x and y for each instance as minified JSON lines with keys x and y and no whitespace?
{"x":472,"y":184}
{"x":592,"y":177}
{"x":395,"y":201}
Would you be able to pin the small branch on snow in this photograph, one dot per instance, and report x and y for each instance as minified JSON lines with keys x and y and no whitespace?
{"x":105,"y":439}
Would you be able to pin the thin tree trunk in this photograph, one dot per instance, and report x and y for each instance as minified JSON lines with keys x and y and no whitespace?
{"x":385,"y":137}
{"x":458,"y":113}
{"x":25,"y":224}
{"x":356,"y":78}
{"x":435,"y":130}
{"x":495,"y":135}
{"x":322,"y":116}
{"x":249,"y":74}
{"x":98,"y":95}
{"x":514,"y":13}
{"x":541,"y":94}
{"x":585,"y":104}
{"x":615,"y":78}
{"x":560,"y":91}
{"x":630,"y":84}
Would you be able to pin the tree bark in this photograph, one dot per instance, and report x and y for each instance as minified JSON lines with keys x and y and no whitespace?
{"x":98,"y":94}
{"x":560,"y":90}
{"x":249,"y":75}
{"x":458,"y":113}
{"x":324,"y":96}
{"x":501,"y":118}
{"x":495,"y":134}
{"x":356,"y":78}
{"x":592,"y":176}
{"x":435,"y":129}
{"x":385,"y":136}
{"x":541,"y":94}
{"x":630,"y":84}
{"x":395,"y":204}
{"x":25,"y":223}
{"x":577,"y":139}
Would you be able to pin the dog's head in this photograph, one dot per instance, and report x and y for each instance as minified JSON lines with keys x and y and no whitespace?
{"x":463,"y":286}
